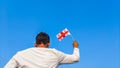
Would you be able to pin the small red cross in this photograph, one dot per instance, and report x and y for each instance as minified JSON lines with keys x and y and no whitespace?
{"x":62,"y":34}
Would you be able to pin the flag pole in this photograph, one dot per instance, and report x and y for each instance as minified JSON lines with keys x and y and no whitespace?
{"x":72,"y":37}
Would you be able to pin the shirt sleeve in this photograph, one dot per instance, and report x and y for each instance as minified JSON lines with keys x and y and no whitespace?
{"x":11,"y":64}
{"x":67,"y":58}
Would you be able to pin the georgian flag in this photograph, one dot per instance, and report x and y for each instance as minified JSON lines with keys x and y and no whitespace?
{"x":63,"y":34}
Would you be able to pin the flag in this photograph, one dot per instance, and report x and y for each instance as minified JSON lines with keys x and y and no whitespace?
{"x":63,"y":34}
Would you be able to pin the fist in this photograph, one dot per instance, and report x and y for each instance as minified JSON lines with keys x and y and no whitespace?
{"x":75,"y":44}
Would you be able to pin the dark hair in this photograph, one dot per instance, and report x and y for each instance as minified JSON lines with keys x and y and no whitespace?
{"x":42,"y":38}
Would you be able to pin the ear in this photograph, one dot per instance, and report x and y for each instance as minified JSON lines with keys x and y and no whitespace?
{"x":35,"y":45}
{"x":48,"y":44}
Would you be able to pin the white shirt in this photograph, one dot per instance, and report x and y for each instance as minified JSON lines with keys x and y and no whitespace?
{"x":41,"y":58}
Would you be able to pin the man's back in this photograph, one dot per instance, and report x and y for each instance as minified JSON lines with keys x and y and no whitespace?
{"x":37,"y":58}
{"x":41,"y":58}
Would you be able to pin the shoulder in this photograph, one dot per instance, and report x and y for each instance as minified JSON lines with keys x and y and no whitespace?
{"x":23,"y":52}
{"x":54,"y":50}
{"x":59,"y":53}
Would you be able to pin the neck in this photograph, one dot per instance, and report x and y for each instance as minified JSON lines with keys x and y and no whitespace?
{"x":41,"y":46}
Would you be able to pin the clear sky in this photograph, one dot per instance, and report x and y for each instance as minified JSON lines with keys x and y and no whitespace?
{"x":93,"y":23}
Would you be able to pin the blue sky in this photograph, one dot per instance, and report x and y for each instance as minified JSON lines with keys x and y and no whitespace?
{"x":93,"y":23}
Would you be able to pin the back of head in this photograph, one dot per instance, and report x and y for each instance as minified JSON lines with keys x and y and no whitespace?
{"x":42,"y":37}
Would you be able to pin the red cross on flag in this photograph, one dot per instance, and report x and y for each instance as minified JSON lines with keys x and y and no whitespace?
{"x":63,"y":34}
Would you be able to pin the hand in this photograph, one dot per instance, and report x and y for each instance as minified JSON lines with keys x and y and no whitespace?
{"x":75,"y":44}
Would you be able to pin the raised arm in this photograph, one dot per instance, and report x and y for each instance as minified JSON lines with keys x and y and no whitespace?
{"x":71,"y":58}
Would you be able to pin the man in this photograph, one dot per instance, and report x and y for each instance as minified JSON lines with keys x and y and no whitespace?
{"x":41,"y":56}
